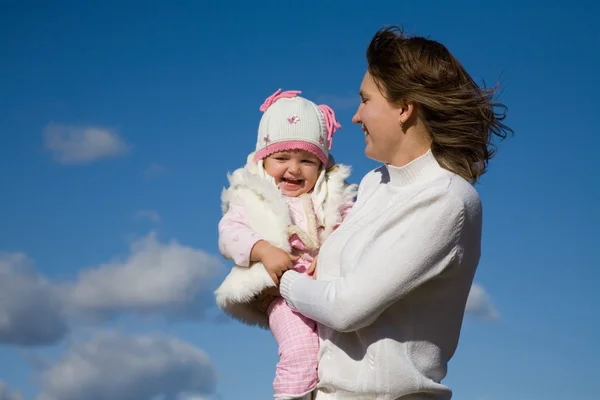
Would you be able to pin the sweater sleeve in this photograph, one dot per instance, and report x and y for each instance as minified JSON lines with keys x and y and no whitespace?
{"x":236,"y":239}
{"x":409,"y":249}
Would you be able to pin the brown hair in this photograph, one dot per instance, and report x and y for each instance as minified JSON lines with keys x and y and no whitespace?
{"x":459,"y":115}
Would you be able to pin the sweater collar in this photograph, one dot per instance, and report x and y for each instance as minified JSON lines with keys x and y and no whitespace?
{"x":415,"y":171}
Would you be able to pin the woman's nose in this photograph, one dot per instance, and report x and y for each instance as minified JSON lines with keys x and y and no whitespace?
{"x":356,"y":117}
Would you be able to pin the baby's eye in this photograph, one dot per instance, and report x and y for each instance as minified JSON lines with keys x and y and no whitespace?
{"x":308,"y":161}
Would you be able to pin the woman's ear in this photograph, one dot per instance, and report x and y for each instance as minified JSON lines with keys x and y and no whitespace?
{"x":405,"y":112}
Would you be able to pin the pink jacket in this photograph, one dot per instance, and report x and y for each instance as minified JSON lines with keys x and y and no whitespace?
{"x":236,"y":239}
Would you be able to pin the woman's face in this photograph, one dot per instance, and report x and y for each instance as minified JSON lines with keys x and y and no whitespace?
{"x":380,"y":121}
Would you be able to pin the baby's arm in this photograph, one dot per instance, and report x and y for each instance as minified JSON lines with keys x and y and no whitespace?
{"x":236,"y":239}
{"x":237,"y":242}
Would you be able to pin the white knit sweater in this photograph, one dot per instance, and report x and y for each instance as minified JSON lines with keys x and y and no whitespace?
{"x":392,"y":284}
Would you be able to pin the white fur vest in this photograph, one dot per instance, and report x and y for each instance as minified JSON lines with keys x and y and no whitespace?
{"x":268,"y":215}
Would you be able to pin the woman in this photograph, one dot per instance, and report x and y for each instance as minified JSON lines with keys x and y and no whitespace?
{"x":393,"y":279}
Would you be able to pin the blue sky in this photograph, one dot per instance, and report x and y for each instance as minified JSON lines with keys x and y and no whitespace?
{"x":118,"y":124}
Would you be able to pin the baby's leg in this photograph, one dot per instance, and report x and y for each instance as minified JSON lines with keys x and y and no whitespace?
{"x":296,"y":336}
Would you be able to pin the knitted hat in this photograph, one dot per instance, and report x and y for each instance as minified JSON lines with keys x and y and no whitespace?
{"x":291,"y":122}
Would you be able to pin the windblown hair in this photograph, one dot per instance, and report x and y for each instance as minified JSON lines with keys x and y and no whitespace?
{"x":461,"y":117}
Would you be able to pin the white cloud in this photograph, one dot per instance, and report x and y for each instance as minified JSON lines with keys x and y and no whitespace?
{"x":155,"y":278}
{"x":479,"y":303}
{"x":112,"y":366}
{"x":6,"y":394}
{"x":151,"y":215}
{"x":168,"y":280}
{"x":79,"y":144}
{"x":30,"y":307}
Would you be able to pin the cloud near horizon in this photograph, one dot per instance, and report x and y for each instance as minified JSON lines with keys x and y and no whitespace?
{"x":7,"y":394}
{"x":167,"y":280}
{"x":30,"y":306}
{"x":115,"y":366}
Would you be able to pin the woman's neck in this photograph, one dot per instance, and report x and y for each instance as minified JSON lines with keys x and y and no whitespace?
{"x":417,"y":142}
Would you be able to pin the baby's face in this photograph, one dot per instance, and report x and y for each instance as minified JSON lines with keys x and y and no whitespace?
{"x":295,"y":171}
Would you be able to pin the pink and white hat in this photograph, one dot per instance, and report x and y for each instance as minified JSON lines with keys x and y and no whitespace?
{"x":291,"y":122}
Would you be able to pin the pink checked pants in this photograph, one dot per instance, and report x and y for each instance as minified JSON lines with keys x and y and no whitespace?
{"x":298,"y":342}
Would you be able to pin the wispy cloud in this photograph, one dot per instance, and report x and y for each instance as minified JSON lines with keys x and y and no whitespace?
{"x":82,"y":144}
{"x":479,"y":303}
{"x":30,"y":307}
{"x":338,"y":102}
{"x":149,"y":366}
{"x":151,"y":215}
{"x":189,"y":397}
{"x":7,"y":394}
{"x":154,"y":170}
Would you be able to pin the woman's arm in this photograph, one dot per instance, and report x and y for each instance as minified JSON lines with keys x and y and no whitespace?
{"x":408,"y":250}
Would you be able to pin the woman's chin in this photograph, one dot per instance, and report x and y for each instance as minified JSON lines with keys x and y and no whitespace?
{"x":371,"y":154}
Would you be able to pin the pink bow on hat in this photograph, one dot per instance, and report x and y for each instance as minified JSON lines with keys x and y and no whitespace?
{"x":331,"y":124}
{"x":278,"y":95}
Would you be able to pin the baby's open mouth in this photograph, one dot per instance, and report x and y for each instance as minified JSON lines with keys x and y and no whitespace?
{"x":292,"y":181}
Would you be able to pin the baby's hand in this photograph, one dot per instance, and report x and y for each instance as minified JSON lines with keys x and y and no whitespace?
{"x":276,"y":262}
{"x":313,"y":267}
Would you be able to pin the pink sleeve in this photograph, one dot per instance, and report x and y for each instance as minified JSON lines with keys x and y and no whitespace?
{"x":346,"y":209}
{"x":236,"y":239}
